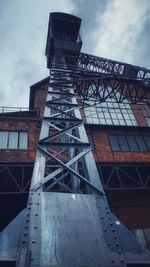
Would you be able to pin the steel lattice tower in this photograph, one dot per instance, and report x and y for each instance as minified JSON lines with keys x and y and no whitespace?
{"x":75,"y":228}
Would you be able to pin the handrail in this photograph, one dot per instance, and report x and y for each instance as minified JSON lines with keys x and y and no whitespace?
{"x":19,"y":111}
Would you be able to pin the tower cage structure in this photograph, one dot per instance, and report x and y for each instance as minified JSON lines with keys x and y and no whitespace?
{"x":67,"y":221}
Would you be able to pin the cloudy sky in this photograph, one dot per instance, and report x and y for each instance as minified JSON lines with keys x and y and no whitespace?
{"x":116,"y":29}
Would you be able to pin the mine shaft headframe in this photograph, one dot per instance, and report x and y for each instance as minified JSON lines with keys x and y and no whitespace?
{"x":63,"y":35}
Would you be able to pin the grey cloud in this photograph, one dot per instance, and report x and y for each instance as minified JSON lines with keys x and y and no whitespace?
{"x":23,"y":30}
{"x":142,"y":45}
{"x":90,"y":11}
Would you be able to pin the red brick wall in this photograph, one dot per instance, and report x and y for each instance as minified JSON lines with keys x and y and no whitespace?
{"x":132,"y":207}
{"x":32,"y":127}
{"x":40,"y":98}
{"x":102,"y":149}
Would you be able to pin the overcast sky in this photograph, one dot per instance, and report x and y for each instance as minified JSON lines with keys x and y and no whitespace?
{"x":116,"y":29}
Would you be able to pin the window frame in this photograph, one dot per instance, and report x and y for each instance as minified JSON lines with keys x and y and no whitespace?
{"x":18,"y":140}
{"x":139,"y":149}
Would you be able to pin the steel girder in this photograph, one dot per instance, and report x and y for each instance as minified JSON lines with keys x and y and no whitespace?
{"x":108,"y":66}
{"x":125,"y":176}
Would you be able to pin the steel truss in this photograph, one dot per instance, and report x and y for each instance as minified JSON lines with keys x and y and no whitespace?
{"x":76,"y":227}
{"x":15,"y":182}
{"x":124,"y":176}
{"x":98,"y":79}
{"x":106,"y":87}
{"x":108,"y":66}
{"x":15,"y":178}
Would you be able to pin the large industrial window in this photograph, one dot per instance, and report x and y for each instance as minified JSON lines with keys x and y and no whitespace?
{"x":129,"y":143}
{"x":110,"y":112}
{"x":13,"y":140}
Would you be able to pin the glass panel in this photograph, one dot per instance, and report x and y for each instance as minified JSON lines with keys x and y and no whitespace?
{"x":104,"y":104}
{"x":102,"y":121}
{"x":119,"y":115}
{"x":13,"y":140}
{"x":95,"y":121}
{"x":129,"y":123}
{"x":116,"y":122}
{"x":110,"y":105}
{"x":123,"y":143}
{"x":114,"y":143}
{"x":107,"y":115}
{"x":148,"y":121}
{"x":147,"y":141}
{"x":141,"y":143}
{"x":101,"y":116}
{"x":134,"y":122}
{"x":3,"y":139}
{"x":109,"y":122}
{"x":132,"y":143}
{"x":87,"y":112}
{"x":23,"y":140}
{"x":116,"y":105}
{"x":113,"y":115}
{"x":122,"y":122}
{"x":126,"y":116}
{"x":89,"y":120}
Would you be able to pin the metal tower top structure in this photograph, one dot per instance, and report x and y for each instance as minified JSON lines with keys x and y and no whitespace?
{"x":63,"y":34}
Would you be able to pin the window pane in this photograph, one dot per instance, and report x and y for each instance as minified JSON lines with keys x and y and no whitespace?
{"x":148,"y":121}
{"x":23,"y":140}
{"x":102,"y":121}
{"x":109,"y":122}
{"x":107,"y":115}
{"x":122,"y":122}
{"x":119,"y":116}
{"x":95,"y":120}
{"x":126,"y":116}
{"x":3,"y":139}
{"x":129,"y":123}
{"x":141,"y":143}
{"x":147,"y":141}
{"x":113,"y":115}
{"x":132,"y":143}
{"x":114,"y":143}
{"x":134,"y":122}
{"x":13,"y":140}
{"x":89,"y":120}
{"x":116,"y":122}
{"x":123,"y":143}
